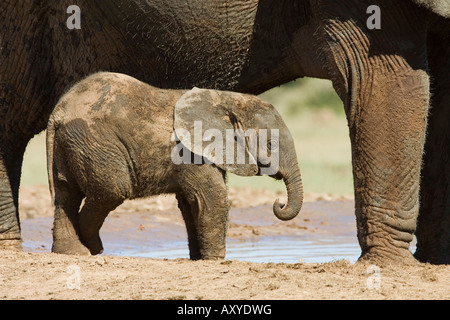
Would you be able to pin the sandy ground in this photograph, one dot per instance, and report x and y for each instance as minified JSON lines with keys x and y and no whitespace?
{"x":43,"y":275}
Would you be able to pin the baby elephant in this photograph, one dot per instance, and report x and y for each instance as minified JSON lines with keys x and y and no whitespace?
{"x":112,"y":138}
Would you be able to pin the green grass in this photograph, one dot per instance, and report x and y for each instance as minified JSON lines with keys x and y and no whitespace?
{"x":313,"y":113}
{"x":34,"y":168}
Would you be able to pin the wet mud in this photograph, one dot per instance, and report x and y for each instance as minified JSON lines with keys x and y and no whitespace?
{"x":324,"y":230}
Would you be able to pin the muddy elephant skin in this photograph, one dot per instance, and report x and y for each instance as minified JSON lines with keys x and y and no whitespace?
{"x":112,"y":138}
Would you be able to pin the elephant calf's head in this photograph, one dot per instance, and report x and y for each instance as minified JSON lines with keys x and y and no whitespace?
{"x":241,"y":134}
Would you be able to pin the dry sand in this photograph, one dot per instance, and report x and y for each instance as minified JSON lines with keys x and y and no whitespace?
{"x":43,"y":275}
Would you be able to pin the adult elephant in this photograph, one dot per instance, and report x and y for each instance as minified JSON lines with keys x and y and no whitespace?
{"x":382,"y":75}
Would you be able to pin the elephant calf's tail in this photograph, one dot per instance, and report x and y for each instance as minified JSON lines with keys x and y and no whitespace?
{"x":50,"y":143}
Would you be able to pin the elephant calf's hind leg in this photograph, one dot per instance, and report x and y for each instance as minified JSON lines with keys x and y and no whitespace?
{"x":91,"y":219}
{"x":65,"y":226}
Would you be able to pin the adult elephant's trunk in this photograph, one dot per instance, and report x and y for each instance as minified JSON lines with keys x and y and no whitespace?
{"x":294,"y":187}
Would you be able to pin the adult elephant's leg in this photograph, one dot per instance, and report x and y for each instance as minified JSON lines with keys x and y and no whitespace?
{"x":433,"y":226}
{"x":388,"y":135}
{"x":10,"y":170}
{"x":380,"y":76}
{"x":205,"y":190}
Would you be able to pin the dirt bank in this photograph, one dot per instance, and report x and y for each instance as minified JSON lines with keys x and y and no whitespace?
{"x":43,"y":275}
{"x":51,"y":276}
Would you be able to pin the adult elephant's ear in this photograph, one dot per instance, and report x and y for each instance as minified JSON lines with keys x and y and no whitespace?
{"x":206,"y":126}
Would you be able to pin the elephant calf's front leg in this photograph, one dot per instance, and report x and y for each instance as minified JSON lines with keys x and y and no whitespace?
{"x":204,"y":204}
{"x":191,"y":226}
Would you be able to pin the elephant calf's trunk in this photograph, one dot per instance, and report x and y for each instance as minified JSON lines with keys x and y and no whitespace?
{"x":294,"y":203}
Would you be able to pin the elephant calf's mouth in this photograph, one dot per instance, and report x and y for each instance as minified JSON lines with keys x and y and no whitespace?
{"x":276,"y":176}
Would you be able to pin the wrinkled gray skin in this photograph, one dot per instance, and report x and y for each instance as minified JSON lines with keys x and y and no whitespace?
{"x":393,"y":82}
{"x":110,"y":139}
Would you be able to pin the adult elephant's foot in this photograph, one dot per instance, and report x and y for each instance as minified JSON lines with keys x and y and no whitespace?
{"x":11,"y":245}
{"x":382,"y":257}
{"x":71,"y":247}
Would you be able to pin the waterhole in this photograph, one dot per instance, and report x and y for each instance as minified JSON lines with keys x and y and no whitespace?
{"x":324,"y":231}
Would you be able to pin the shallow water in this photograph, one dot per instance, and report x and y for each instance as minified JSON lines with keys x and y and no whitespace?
{"x":291,"y":250}
{"x":265,"y":250}
{"x":288,"y":249}
{"x":325,"y":232}
{"x":270,"y":249}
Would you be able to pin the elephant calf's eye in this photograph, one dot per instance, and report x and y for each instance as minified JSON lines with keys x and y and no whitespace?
{"x":272,"y":145}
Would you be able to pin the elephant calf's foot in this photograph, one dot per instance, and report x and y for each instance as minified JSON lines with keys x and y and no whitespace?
{"x":72,"y":247}
{"x":94,"y":244}
{"x":218,"y":254}
{"x":213,"y":257}
{"x":206,"y":257}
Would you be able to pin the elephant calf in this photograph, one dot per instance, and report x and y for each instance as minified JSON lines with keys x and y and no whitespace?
{"x":112,"y":138}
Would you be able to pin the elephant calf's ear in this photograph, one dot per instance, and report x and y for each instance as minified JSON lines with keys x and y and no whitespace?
{"x":203,"y":118}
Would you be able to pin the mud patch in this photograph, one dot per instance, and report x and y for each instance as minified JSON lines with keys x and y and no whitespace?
{"x":324,"y":231}
{"x":42,"y":275}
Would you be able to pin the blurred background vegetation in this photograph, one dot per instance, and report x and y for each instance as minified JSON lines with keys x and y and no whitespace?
{"x":315,"y":116}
